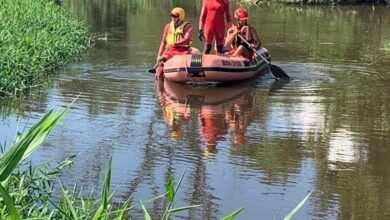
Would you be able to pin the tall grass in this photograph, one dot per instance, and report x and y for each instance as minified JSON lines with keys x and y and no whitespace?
{"x":36,"y":38}
{"x":319,"y":2}
{"x":29,"y":193}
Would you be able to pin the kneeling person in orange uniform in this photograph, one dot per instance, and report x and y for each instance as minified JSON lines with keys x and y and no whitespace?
{"x":176,"y":39}
{"x":241,"y":28}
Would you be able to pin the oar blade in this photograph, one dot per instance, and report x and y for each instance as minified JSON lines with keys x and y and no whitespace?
{"x":152,"y":71}
{"x":278,"y":72}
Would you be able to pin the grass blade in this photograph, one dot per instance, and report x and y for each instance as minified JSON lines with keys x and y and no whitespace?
{"x":181,"y":179}
{"x":9,"y":203}
{"x":29,"y":141}
{"x":106,"y":185}
{"x":146,"y":213}
{"x":289,"y":215}
{"x":105,"y":192}
{"x":98,"y":213}
{"x":124,"y":207}
{"x":70,"y":205}
{"x":170,"y":189}
{"x":233,"y":214}
{"x":59,"y":209}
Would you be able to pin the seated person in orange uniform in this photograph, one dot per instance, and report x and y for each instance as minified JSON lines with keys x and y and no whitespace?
{"x":176,"y":39}
{"x":241,"y":28}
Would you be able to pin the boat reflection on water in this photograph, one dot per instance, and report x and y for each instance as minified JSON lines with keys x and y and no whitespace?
{"x":216,"y":111}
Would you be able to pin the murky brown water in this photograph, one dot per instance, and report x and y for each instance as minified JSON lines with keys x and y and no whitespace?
{"x":260,"y":144}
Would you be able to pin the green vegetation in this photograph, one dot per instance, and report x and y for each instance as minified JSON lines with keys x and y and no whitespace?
{"x":318,"y":2}
{"x":36,"y":38}
{"x":29,"y":193}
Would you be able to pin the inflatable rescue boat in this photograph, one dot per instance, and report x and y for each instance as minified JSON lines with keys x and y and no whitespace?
{"x":211,"y":68}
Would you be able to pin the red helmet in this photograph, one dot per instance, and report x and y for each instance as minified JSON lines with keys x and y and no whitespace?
{"x":241,"y":13}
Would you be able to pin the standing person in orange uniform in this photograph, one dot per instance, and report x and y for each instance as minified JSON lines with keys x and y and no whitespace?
{"x":212,"y":23}
{"x":176,"y":39}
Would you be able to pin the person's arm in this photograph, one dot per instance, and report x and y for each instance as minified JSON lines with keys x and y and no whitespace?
{"x":163,"y":43}
{"x":231,"y":35}
{"x":255,"y":37}
{"x":187,"y":36}
{"x":203,"y":15}
{"x":228,"y":13}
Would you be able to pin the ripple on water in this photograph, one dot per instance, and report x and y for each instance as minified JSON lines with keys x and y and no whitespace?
{"x":313,"y":74}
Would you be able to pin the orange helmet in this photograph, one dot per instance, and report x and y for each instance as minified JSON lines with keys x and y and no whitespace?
{"x":178,"y":12}
{"x":241,"y":13}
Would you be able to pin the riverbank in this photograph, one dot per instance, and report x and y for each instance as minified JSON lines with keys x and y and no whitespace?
{"x":36,"y":38}
{"x":324,"y":2}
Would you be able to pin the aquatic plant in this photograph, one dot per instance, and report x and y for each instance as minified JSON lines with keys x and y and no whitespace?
{"x":36,"y":38}
{"x":29,"y":193}
{"x":15,"y":201}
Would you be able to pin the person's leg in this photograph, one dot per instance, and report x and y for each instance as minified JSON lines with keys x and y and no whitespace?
{"x":219,"y":38}
{"x":160,"y":67}
{"x":220,"y":49}
{"x":247,"y":53}
{"x":208,"y":35}
{"x":239,"y":51}
{"x":207,"y":48}
{"x":230,"y":52}
{"x":160,"y":71}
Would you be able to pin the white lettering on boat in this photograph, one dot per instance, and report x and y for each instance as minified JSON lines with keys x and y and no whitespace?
{"x":231,"y":63}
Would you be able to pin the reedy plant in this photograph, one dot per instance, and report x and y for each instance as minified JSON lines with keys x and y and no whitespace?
{"x":36,"y":38}
{"x":23,"y":146}
{"x":29,"y":193}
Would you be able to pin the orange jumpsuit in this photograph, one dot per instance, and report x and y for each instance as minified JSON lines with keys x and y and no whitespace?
{"x":212,"y":20}
{"x":180,"y":47}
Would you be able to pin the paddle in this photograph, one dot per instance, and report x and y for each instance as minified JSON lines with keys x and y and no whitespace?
{"x":157,"y":64}
{"x":275,"y":70}
{"x":154,"y":68}
{"x":162,"y":60}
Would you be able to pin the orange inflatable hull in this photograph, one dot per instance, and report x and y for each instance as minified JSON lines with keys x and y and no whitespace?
{"x":210,"y":68}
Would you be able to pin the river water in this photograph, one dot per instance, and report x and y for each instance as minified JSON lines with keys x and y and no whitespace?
{"x":261,"y":144}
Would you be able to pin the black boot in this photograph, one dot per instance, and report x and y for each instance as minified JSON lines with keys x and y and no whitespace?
{"x":207,"y":49}
{"x":220,"y":49}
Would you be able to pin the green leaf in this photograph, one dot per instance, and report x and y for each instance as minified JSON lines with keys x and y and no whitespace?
{"x":167,"y":209}
{"x":170,"y":189}
{"x":289,"y":215}
{"x":70,"y":205}
{"x":124,"y":207}
{"x":233,"y":214}
{"x":146,"y":213}
{"x":106,"y":185}
{"x":59,"y":209}
{"x":105,"y":192}
{"x":9,"y":203}
{"x":181,"y":179}
{"x":29,"y":141}
{"x":98,"y":213}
